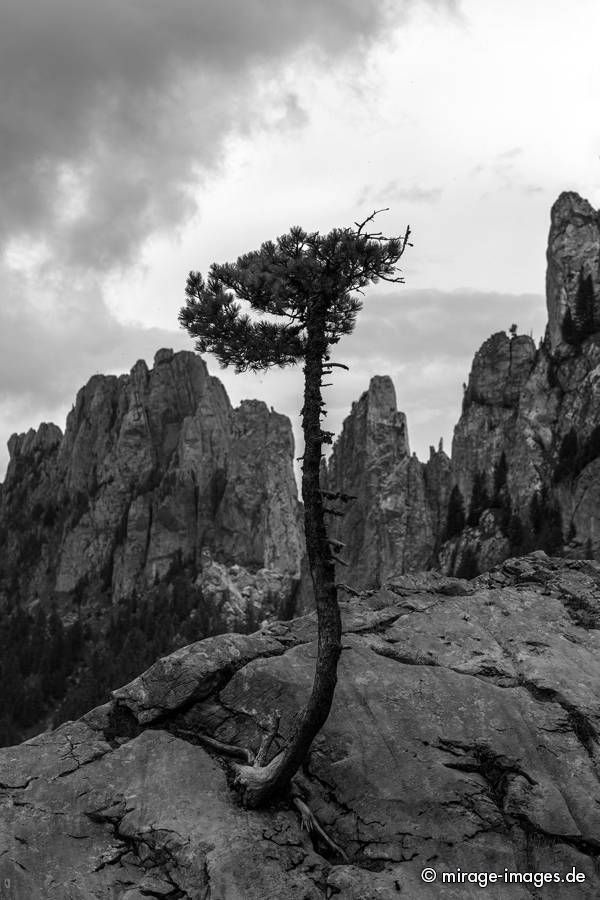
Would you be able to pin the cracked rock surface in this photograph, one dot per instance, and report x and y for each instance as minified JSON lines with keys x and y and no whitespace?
{"x":464,"y":734}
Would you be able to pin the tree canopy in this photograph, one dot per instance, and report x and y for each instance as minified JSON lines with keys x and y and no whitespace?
{"x":284,"y":278}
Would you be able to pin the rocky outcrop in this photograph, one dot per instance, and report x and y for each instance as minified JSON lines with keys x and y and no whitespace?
{"x":526,"y":449}
{"x":490,"y":419}
{"x":573,"y":256}
{"x":388,"y":528}
{"x":463,"y":735}
{"x":537,"y":411}
{"x":154,"y":467}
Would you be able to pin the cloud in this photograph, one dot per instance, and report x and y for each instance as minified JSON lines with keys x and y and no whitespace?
{"x":511,"y":153}
{"x":426,"y":340}
{"x":111,"y":113}
{"x":420,"y":324}
{"x":112,"y":116}
{"x":395,"y":192}
{"x":50,"y":348}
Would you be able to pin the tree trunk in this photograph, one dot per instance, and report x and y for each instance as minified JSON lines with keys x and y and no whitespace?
{"x":258,"y":785}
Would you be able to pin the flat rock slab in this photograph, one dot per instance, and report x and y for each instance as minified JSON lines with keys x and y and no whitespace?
{"x":463,"y":736}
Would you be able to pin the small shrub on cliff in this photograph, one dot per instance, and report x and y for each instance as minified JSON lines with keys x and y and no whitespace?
{"x":479,"y":499}
{"x":569,"y":329}
{"x":456,"y":520}
{"x":500,"y":473}
{"x":546,"y":523}
{"x":469,"y":564}
{"x":580,"y":323}
{"x":515,"y":533}
{"x":567,"y":456}
{"x":573,"y":457}
{"x":584,"y":306}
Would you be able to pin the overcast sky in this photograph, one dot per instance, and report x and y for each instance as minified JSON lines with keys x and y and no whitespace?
{"x":142,"y":138}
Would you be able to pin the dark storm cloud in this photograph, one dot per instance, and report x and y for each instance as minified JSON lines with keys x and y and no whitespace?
{"x":111,"y":115}
{"x":111,"y":112}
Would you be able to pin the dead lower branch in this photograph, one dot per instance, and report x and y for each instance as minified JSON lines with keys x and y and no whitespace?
{"x":342,"y":586}
{"x":337,"y":545}
{"x":337,"y":495}
{"x":339,"y":560}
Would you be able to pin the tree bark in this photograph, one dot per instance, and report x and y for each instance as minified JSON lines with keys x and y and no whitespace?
{"x":258,"y":785}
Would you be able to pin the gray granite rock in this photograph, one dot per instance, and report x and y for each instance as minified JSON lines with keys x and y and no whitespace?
{"x":154,"y":467}
{"x":389,"y":527}
{"x":464,"y":734}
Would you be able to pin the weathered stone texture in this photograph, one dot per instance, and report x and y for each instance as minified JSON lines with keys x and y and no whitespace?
{"x":519,"y":405}
{"x":153,"y":467}
{"x":387,"y":528}
{"x":488,"y":424}
{"x":554,"y":390}
{"x":464,"y":733}
{"x":573,"y":249}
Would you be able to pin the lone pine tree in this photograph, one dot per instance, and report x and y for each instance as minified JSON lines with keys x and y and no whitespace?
{"x":301,"y":292}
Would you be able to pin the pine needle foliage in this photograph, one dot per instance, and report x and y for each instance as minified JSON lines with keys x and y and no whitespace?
{"x":284,"y":279}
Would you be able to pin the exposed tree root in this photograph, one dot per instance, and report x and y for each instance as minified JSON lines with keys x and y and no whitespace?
{"x":230,"y":750}
{"x":252,"y":776}
{"x":309,"y":821}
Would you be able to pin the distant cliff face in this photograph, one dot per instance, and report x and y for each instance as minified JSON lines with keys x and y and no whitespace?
{"x":390,"y":527}
{"x":573,"y":259}
{"x":154,"y":469}
{"x":525,"y":468}
{"x":535,"y":414}
{"x":156,"y":466}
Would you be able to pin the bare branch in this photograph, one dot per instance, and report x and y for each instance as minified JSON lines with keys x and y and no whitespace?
{"x":337,"y":545}
{"x":396,"y":279}
{"x":361,"y":225}
{"x":338,"y":495}
{"x":339,"y":560}
{"x":342,"y":586}
{"x":405,"y":242}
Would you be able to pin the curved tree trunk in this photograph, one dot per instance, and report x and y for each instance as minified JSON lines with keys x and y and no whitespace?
{"x":258,"y":785}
